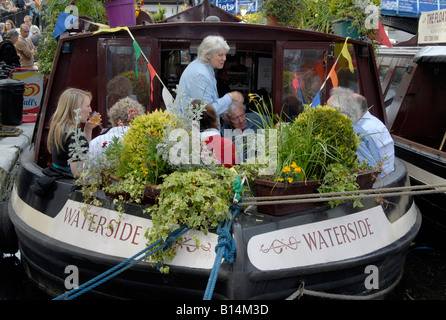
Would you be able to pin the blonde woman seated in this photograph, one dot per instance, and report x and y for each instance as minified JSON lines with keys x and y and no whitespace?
{"x":61,"y":138}
{"x":120,"y":116}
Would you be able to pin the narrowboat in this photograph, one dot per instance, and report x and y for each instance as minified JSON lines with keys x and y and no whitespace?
{"x":343,"y":252}
{"x":413,"y":89}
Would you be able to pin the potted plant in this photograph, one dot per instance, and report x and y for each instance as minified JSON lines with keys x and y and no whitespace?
{"x":120,"y":12}
{"x":350,"y":16}
{"x":280,"y":12}
{"x":133,"y":165}
{"x":320,"y":141}
{"x":199,"y":199}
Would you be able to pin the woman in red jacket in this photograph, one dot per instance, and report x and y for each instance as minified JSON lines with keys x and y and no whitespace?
{"x":223,"y":149}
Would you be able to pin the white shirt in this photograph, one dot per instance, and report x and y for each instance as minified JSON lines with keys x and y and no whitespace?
{"x":98,"y":144}
{"x":376,"y":143}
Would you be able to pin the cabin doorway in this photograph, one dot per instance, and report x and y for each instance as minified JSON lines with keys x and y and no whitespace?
{"x":248,"y":67}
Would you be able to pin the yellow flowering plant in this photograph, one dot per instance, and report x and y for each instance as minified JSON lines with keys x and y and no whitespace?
{"x":138,"y":154}
{"x":308,"y":145}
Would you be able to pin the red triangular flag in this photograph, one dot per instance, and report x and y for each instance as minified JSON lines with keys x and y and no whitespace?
{"x":152,"y":75}
{"x":382,"y":36}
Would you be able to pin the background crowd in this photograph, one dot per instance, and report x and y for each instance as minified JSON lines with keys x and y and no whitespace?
{"x":19,"y":34}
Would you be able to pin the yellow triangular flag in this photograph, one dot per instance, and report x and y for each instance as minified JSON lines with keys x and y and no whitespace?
{"x":111,"y":29}
{"x":347,"y":56}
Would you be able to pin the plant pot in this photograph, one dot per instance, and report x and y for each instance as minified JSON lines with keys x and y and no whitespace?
{"x":344,"y":28}
{"x":266,"y":188}
{"x":272,"y":21}
{"x":120,"y":13}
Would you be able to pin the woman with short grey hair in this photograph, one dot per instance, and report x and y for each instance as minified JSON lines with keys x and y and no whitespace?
{"x":8,"y":53}
{"x":198,"y":79}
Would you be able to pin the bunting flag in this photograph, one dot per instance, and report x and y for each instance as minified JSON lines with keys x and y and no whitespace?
{"x":316,"y":100}
{"x":152,"y":75}
{"x":63,"y":22}
{"x":137,"y":49}
{"x":167,"y":96}
{"x":105,"y":28}
{"x":332,"y":74}
{"x":382,"y":36}
{"x":346,"y":54}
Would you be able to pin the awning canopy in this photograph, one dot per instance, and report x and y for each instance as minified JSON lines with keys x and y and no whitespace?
{"x":431,"y":54}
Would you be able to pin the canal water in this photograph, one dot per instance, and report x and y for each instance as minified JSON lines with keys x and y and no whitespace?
{"x":424,"y":276}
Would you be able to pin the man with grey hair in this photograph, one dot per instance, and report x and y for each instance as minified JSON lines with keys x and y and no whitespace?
{"x":376,"y":145}
{"x":198,"y":79}
{"x":242,"y":128}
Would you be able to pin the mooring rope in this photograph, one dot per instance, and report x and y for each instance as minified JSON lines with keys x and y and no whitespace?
{"x":337,"y":296}
{"x":154,"y":247}
{"x":224,"y":249}
{"x":345,"y":195}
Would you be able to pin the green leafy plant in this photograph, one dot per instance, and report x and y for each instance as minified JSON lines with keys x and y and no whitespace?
{"x":160,"y":15}
{"x":93,"y":9}
{"x":138,"y":154}
{"x":356,"y":11}
{"x":199,"y":199}
{"x":339,"y":178}
{"x":284,"y":11}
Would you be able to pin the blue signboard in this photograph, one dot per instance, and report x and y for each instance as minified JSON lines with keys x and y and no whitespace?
{"x":233,"y":6}
{"x":410,"y":8}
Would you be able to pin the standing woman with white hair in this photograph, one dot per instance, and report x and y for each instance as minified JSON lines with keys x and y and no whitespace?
{"x":198,"y":79}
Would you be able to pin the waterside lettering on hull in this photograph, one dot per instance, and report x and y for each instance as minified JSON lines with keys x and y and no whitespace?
{"x":103,"y":226}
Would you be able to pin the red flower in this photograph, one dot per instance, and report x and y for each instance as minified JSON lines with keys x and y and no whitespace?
{"x":104,"y":144}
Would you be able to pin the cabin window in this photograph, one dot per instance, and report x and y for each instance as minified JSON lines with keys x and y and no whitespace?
{"x":345,"y":77}
{"x":121,"y":75}
{"x":394,"y":85}
{"x":303,"y":74}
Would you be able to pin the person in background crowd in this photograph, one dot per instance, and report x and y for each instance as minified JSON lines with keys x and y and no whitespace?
{"x":63,"y":123}
{"x":8,"y":53}
{"x":7,"y":7}
{"x":120,"y":115}
{"x":28,"y":20}
{"x":9,"y":25}
{"x":198,"y":79}
{"x":35,"y":35}
{"x":25,"y":48}
{"x":376,"y":145}
{"x":2,"y":26}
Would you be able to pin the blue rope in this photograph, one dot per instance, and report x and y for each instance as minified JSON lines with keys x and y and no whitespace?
{"x":225,"y":248}
{"x":123,"y":265}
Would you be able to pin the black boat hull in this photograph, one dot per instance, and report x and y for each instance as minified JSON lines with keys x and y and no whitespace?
{"x":275,"y":256}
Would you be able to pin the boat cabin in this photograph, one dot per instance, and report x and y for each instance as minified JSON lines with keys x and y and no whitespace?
{"x":285,"y":64}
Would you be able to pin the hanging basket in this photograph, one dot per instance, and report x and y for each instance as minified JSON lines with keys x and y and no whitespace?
{"x":120,"y":13}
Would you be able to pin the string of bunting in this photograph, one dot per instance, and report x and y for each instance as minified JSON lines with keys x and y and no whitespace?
{"x":332,"y":74}
{"x":65,"y":20}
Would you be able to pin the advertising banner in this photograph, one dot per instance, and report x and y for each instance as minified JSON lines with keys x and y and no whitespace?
{"x":34,"y":82}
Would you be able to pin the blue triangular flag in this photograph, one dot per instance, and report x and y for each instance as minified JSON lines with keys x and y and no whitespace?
{"x":64,"y":21}
{"x":316,"y":100}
